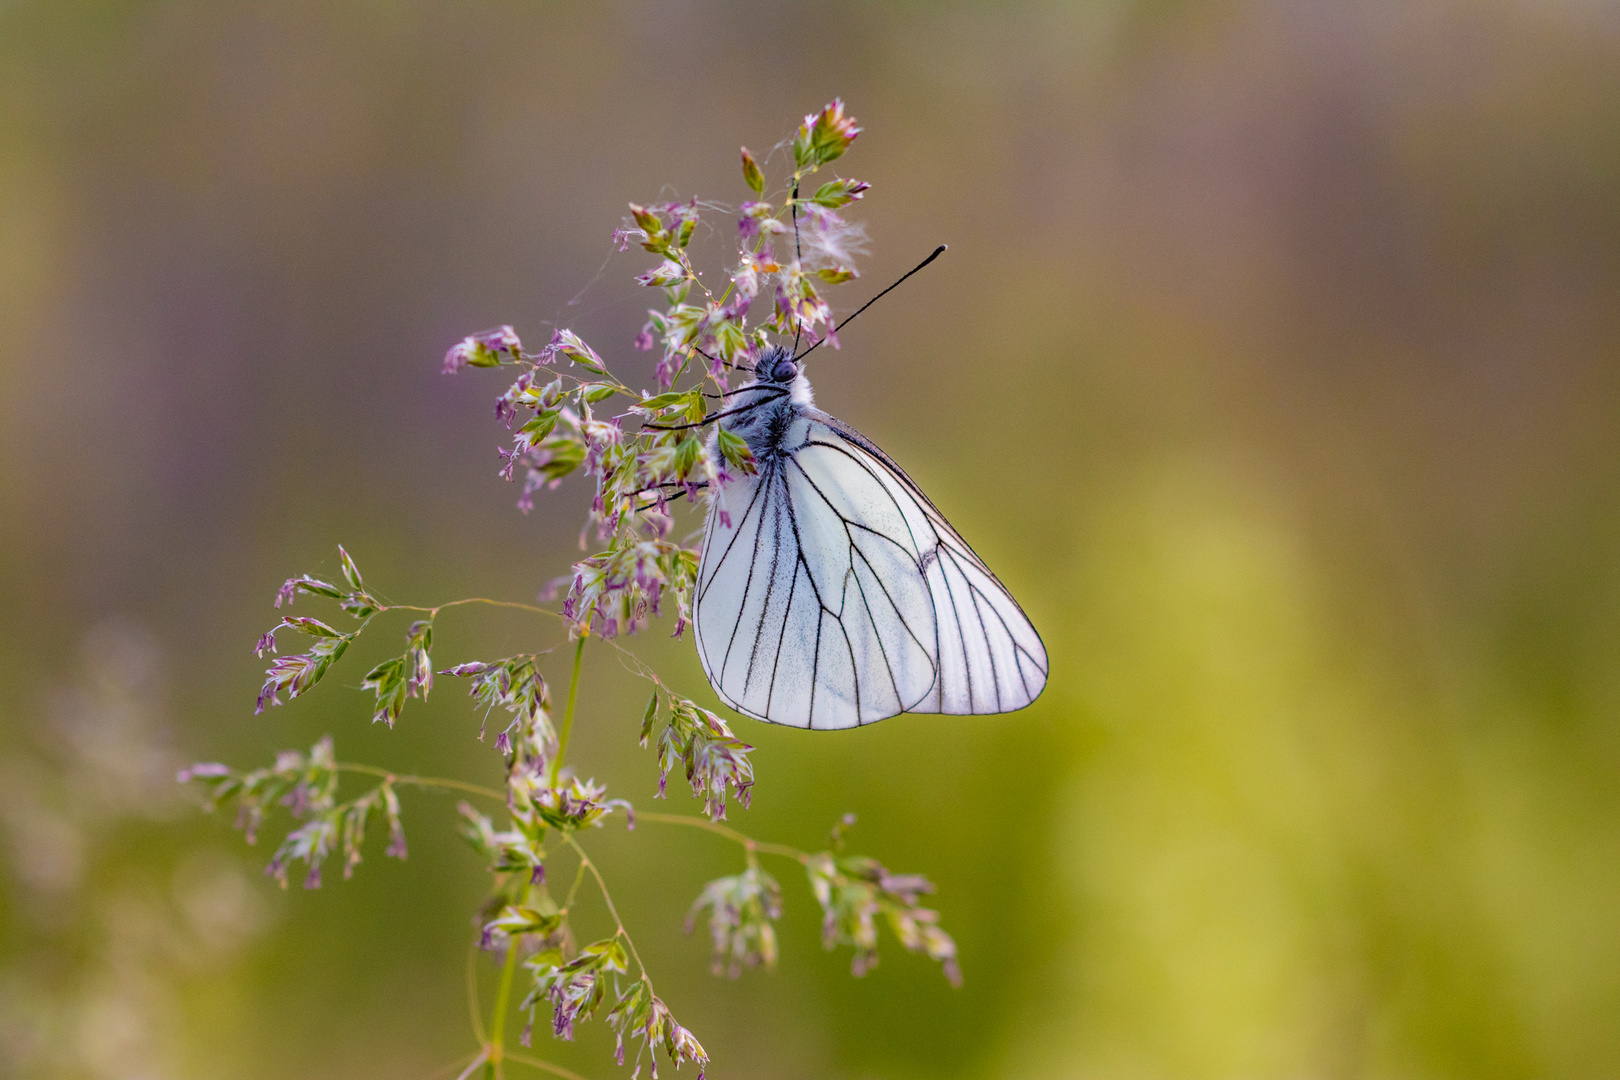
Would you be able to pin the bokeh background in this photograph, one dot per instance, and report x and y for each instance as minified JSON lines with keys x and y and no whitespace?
{"x":1275,"y":365}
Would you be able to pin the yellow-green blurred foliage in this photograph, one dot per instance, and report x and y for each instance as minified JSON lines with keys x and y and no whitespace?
{"x":1275,"y":366}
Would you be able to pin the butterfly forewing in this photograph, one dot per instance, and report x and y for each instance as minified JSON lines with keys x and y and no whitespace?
{"x":806,"y":613}
{"x":832,"y":593}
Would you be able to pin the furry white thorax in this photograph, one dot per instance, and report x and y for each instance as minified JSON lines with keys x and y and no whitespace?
{"x":799,"y":392}
{"x":767,"y":412}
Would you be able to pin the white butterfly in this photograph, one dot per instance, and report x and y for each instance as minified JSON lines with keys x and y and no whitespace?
{"x":832,"y":592}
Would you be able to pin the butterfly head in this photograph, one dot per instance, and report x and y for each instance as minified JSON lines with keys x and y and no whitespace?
{"x":776,"y":365}
{"x":776,"y":370}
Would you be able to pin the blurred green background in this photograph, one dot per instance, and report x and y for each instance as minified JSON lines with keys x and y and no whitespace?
{"x":1275,"y":365}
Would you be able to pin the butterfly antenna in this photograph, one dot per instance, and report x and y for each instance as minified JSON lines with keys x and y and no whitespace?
{"x":833,"y":330}
{"x":714,"y":360}
{"x":798,"y":322}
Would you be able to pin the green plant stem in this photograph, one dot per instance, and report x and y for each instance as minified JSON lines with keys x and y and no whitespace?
{"x":482,"y":1058}
{"x":472,"y":995}
{"x":731,"y":834}
{"x":573,"y":890}
{"x":503,"y":998}
{"x":544,"y":1066}
{"x":423,"y":781}
{"x":513,"y":604}
{"x":568,"y":710}
{"x":607,"y":899}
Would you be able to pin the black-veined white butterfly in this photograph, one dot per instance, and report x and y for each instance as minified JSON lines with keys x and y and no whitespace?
{"x":833,"y":593}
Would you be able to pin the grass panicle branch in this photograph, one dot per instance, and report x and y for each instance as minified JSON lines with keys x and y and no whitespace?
{"x":569,"y":415}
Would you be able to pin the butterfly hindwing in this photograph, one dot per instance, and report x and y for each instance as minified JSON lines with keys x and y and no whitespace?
{"x":831,"y":593}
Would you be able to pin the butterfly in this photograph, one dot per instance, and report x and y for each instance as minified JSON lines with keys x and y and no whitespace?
{"x":832,"y":593}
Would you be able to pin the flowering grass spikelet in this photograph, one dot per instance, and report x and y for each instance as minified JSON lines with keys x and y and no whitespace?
{"x":742,"y":911}
{"x":854,"y":892}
